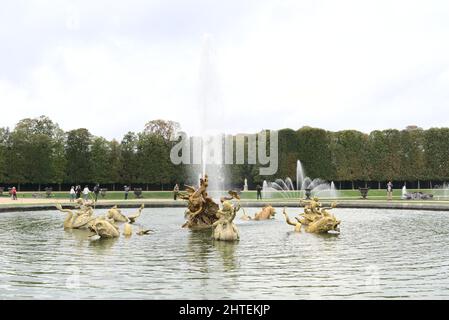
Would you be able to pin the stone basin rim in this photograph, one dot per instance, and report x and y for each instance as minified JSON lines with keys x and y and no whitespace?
{"x":365,"y":204}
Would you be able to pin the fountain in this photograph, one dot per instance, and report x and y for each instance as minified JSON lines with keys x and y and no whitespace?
{"x":203,"y":212}
{"x":315,"y":218}
{"x":265,"y":190}
{"x":333,"y":191}
{"x":245,"y":186}
{"x":404,"y":192}
{"x":210,"y":114}
{"x":304,"y":186}
{"x":299,"y":175}
{"x":416,"y":195}
{"x":104,"y":226}
{"x":441,"y":192}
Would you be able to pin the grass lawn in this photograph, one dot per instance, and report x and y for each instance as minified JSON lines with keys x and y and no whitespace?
{"x":373,"y":194}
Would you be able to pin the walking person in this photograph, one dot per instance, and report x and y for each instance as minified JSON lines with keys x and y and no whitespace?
{"x":96,"y":191}
{"x":259,"y":192}
{"x":14,"y":193}
{"x":175,"y":191}
{"x":390,"y":190}
{"x":126,"y":192}
{"x":72,"y":194}
{"x":86,"y":192}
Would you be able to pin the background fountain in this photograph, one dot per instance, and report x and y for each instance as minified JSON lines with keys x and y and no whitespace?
{"x":404,"y":192}
{"x":299,"y":175}
{"x":441,"y":192}
{"x":318,"y":187}
{"x":445,"y":193}
{"x":265,"y":191}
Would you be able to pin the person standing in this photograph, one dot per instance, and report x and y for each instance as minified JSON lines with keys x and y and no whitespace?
{"x":86,"y":192}
{"x":259,"y":192}
{"x":96,"y":191}
{"x":14,"y":193}
{"x":72,"y":194}
{"x":126,"y":192}
{"x":390,"y":190}
{"x":78,"y":191}
{"x":175,"y":191}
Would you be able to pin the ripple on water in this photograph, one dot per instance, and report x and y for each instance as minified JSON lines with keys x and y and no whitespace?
{"x":379,"y":254}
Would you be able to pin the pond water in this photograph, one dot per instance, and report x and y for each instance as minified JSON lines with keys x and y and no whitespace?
{"x":379,"y":254}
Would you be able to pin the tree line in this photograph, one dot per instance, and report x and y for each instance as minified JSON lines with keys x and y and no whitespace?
{"x":37,"y":151}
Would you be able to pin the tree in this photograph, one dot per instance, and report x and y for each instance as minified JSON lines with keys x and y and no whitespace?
{"x":114,"y":157}
{"x":79,"y":164}
{"x":315,"y":153}
{"x":37,"y":151}
{"x":154,"y":145}
{"x":162,"y":128}
{"x":100,"y":159}
{"x":33,"y":150}
{"x":436,"y":153}
{"x":4,"y":139}
{"x":153,"y":156}
{"x":412,"y":154}
{"x":384,"y":155}
{"x":128,"y":160}
{"x":288,"y":153}
{"x":59,"y":161}
{"x":349,"y":155}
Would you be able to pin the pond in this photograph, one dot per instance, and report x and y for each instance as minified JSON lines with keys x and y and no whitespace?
{"x":379,"y":254}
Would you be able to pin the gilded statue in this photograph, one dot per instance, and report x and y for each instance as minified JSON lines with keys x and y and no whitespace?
{"x":315,"y":218}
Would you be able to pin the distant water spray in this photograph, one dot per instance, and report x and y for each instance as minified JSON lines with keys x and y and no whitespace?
{"x":441,"y":192}
{"x":299,"y":176}
{"x":333,"y":191}
{"x":265,"y":189}
{"x":286,"y":189}
{"x":446,"y":190}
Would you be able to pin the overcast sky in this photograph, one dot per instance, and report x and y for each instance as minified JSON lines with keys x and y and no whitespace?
{"x":111,"y":66}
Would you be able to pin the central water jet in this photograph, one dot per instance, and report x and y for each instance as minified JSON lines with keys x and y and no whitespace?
{"x":210,"y":110}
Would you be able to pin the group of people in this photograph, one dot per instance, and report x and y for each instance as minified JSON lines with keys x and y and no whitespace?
{"x":75,"y":192}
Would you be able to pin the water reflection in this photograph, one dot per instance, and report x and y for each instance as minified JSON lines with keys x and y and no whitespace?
{"x":101,"y":244}
{"x":202,"y":247}
{"x":371,"y":258}
{"x":199,"y":248}
{"x":227,"y":252}
{"x":78,"y":234}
